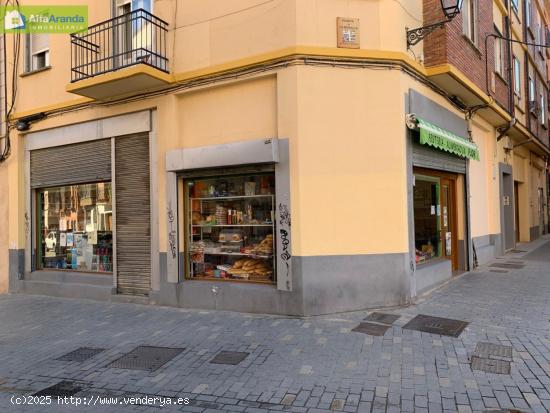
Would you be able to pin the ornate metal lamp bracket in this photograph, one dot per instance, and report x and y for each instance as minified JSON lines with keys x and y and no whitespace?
{"x":416,"y":35}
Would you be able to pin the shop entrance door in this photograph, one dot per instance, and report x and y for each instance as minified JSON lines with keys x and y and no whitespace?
{"x":541,"y":212}
{"x":448,"y":230}
{"x":516,"y":210}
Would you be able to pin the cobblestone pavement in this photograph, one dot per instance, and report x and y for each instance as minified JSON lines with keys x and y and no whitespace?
{"x":308,"y":365}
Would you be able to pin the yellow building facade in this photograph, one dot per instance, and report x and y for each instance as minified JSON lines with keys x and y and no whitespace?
{"x":286,"y":156}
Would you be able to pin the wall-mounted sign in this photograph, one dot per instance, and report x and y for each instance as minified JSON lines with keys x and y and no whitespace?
{"x":347,"y":32}
{"x":506,"y":200}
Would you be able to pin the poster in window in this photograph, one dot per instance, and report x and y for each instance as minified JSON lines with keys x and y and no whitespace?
{"x":92,"y":237}
{"x":448,"y":243}
{"x":70,"y":239}
{"x":62,"y":239}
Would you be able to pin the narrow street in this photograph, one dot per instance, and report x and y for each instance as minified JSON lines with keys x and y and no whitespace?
{"x":294,"y":364}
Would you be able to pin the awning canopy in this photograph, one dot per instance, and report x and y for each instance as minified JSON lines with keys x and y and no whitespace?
{"x":439,"y":138}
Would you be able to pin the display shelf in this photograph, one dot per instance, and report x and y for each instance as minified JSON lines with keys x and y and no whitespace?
{"x":231,"y":225}
{"x":240,"y":254}
{"x":218,"y":198}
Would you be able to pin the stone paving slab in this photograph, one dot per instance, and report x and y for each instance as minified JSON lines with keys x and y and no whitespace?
{"x":303,"y":365}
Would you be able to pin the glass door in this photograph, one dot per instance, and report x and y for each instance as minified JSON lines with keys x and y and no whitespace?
{"x":448,"y":233}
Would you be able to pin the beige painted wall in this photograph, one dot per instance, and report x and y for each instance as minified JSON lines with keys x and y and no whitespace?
{"x":4,"y":230}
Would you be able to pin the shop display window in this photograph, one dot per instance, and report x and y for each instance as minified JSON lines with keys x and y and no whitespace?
{"x":230,"y":228}
{"x":427,"y":222}
{"x":75,"y":228}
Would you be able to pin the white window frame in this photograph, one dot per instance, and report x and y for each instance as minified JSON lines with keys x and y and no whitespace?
{"x":469,"y":20}
{"x":542,"y":109}
{"x":517,"y":76}
{"x":31,"y":56}
{"x":499,"y":54}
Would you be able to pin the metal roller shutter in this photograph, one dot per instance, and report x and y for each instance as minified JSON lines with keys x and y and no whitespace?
{"x":133,"y":214}
{"x":427,"y":157}
{"x":71,"y":164}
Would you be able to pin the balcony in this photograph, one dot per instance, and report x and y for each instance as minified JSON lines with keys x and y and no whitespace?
{"x":121,"y":56}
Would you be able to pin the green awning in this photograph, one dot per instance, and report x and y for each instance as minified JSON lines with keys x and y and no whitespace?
{"x":439,"y":138}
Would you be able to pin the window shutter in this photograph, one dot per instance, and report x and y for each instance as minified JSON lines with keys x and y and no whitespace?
{"x":39,"y":43}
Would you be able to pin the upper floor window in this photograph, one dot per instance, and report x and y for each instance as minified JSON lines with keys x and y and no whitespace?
{"x":37,"y":52}
{"x":542,"y":109}
{"x":517,"y":76}
{"x":499,"y":54}
{"x":126,"y":6}
{"x":531,"y":89}
{"x":469,"y":19}
{"x":528,"y":16}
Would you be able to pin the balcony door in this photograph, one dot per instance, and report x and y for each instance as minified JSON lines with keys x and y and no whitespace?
{"x":132,"y":37}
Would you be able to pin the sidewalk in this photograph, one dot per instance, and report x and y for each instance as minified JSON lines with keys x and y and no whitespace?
{"x":304,"y":365}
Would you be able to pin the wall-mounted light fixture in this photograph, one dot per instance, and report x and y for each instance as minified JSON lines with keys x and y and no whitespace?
{"x":450,"y":8}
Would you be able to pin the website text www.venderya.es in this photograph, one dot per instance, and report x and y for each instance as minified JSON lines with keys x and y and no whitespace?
{"x":98,"y":400}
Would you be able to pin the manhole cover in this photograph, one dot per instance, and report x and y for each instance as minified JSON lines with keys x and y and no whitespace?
{"x":146,"y":358}
{"x":489,"y":350}
{"x":490,"y":365}
{"x":499,"y":271}
{"x":507,"y":265}
{"x":229,"y":357}
{"x":436,"y":325}
{"x":371,"y":329}
{"x":65,"y":388}
{"x":383,"y":318}
{"x":81,"y":354}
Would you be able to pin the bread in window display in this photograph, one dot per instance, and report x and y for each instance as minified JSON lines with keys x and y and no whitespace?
{"x":265,"y":247}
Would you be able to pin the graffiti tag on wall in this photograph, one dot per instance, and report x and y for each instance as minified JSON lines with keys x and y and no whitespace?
{"x":172,"y":233}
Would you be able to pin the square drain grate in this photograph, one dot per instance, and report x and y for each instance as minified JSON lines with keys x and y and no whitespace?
{"x":146,"y":358}
{"x":507,"y":265}
{"x":229,"y":357}
{"x":490,"y":365}
{"x":371,"y":329}
{"x":491,"y":350}
{"x":65,"y":388}
{"x":436,"y":325}
{"x":80,"y":354}
{"x":383,"y":318}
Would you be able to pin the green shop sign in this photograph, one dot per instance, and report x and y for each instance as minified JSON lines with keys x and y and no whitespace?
{"x":439,"y":138}
{"x":43,"y":19}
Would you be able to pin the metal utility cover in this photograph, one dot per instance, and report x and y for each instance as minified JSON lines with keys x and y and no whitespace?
{"x":436,"y":325}
{"x":146,"y":358}
{"x":81,"y":354}
{"x":490,"y":365}
{"x":65,"y":388}
{"x":383,"y":318}
{"x":490,"y":350}
{"x":371,"y":329}
{"x":229,"y":357}
{"x":507,"y":265}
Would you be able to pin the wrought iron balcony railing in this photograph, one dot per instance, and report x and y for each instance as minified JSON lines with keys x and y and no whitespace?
{"x":133,"y":38}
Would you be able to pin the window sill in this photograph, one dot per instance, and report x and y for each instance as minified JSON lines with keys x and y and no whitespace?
{"x":32,"y":72}
{"x":431,"y":262}
{"x":473,"y":45}
{"x":501,"y":78}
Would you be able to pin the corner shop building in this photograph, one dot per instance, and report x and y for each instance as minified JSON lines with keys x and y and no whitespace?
{"x":362,"y":214}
